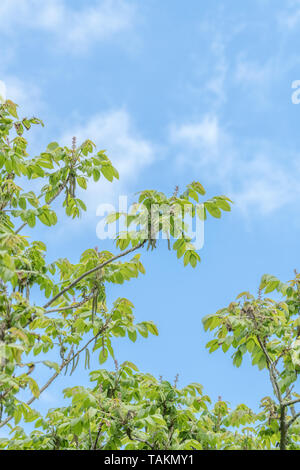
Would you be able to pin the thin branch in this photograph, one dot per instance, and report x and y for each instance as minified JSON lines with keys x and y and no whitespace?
{"x":292,"y":402}
{"x":144,"y":442}
{"x":288,"y":396}
{"x":87,"y":273}
{"x":292,"y":420}
{"x":272,"y":371}
{"x":49,"y":202}
{"x":77,"y":305}
{"x":98,"y":435}
{"x":133,"y":437}
{"x":74,"y":306}
{"x":63,"y":365}
{"x":90,"y":436}
{"x":271,"y":367}
{"x":69,"y":307}
{"x":120,"y":255}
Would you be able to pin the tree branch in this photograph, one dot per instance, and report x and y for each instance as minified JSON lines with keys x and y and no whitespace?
{"x":69,"y":307}
{"x":133,"y":437}
{"x":49,"y":202}
{"x":98,"y":435}
{"x":292,"y":402}
{"x":87,"y":273}
{"x":292,"y":420}
{"x":63,"y":365}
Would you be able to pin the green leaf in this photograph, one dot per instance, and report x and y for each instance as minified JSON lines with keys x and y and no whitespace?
{"x":237,"y":359}
{"x":213,"y":209}
{"x":12,"y":108}
{"x":132,"y":335}
{"x":186,"y":258}
{"x":143,"y":330}
{"x":107,"y":172}
{"x":52,"y":146}
{"x":131,"y":365}
{"x":81,"y":181}
{"x":152,"y":328}
{"x":103,"y":355}
{"x":271,"y":286}
{"x":33,"y":387}
{"x":52,"y":365}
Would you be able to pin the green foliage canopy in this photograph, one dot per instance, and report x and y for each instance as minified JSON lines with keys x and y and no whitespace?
{"x":123,"y":408}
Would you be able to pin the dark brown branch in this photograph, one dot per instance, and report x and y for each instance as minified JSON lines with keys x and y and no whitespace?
{"x":98,"y":435}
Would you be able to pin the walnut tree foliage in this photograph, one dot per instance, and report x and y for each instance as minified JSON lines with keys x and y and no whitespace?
{"x":122,"y":408}
{"x":269,"y":331}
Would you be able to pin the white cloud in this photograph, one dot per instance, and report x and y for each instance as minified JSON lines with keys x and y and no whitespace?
{"x":216,"y":83}
{"x":253,"y":174}
{"x":216,"y":72}
{"x":26,"y":94}
{"x":266,"y":183}
{"x":129,"y":152}
{"x":258,"y":79}
{"x":205,"y":133}
{"x":206,"y":145}
{"x":250,"y":71}
{"x":73,"y":28}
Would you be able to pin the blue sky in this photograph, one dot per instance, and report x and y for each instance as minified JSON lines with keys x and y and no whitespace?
{"x":175,"y":91}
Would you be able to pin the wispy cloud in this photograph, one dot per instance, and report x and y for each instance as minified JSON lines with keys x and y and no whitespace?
{"x":256,"y":78}
{"x":252,"y":72}
{"x":258,"y":173}
{"x":216,"y":73}
{"x":267,"y":184}
{"x":289,"y":16}
{"x":26,"y":94}
{"x":75,"y":29}
{"x":252,"y":173}
{"x":216,"y":82}
{"x":205,"y":145}
{"x":204,"y":133}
